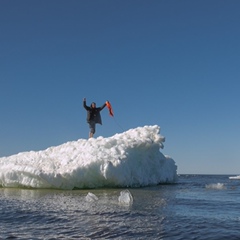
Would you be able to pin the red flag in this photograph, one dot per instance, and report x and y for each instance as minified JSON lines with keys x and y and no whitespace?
{"x":109,"y":108}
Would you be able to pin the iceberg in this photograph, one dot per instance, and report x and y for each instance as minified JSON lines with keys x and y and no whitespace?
{"x":128,"y":159}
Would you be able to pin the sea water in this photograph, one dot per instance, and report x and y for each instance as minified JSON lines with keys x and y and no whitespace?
{"x":196,"y":207}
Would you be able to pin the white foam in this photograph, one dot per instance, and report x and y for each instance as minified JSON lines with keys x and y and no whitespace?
{"x":129,"y":159}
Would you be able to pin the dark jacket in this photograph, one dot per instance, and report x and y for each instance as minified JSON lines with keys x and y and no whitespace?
{"x":93,"y":114}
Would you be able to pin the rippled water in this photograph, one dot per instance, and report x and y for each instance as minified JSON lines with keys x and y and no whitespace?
{"x":197,"y":207}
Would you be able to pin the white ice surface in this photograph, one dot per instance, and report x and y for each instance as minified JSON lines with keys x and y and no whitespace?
{"x":128,"y":159}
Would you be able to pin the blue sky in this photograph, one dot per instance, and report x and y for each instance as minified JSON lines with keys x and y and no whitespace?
{"x":166,"y":62}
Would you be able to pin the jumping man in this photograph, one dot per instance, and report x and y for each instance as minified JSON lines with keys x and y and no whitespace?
{"x":93,"y":116}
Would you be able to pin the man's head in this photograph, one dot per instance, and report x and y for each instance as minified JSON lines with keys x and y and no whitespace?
{"x":93,"y":105}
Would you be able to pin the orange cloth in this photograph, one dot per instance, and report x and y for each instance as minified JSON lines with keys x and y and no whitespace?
{"x":109,"y":108}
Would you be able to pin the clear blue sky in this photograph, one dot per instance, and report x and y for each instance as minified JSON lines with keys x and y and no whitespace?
{"x":166,"y":62}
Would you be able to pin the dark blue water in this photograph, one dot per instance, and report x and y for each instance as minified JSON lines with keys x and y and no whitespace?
{"x":197,"y":207}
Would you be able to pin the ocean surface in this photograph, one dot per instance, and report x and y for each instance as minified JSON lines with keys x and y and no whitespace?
{"x":196,"y":207}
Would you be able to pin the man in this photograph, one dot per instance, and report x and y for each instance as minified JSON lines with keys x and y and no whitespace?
{"x":93,"y":116}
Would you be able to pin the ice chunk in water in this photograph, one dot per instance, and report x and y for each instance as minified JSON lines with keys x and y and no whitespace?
{"x":91,"y":197}
{"x":125,"y":197}
{"x":218,"y":186}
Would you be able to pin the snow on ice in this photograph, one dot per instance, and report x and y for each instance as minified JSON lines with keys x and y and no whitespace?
{"x":128,"y":159}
